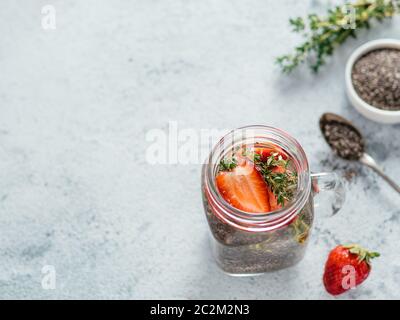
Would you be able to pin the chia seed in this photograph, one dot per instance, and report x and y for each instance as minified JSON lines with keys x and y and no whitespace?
{"x":344,"y":139}
{"x":239,"y":252}
{"x":376,"y":78}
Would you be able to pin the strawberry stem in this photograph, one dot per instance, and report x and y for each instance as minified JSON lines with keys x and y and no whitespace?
{"x":362,"y":253}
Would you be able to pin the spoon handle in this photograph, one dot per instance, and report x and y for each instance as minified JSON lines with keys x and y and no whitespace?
{"x":370,"y":162}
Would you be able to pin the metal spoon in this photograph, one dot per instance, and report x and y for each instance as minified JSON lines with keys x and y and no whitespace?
{"x":362,"y":156}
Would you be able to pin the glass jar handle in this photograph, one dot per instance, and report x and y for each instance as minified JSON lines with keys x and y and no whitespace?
{"x":329,"y":181}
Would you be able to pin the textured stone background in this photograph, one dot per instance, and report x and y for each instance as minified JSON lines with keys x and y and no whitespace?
{"x":76,"y":103}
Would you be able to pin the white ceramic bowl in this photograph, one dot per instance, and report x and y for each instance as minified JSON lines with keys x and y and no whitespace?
{"x":370,"y":112}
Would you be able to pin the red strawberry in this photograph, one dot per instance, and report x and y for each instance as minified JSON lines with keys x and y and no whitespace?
{"x":347,"y":266}
{"x":244,"y":188}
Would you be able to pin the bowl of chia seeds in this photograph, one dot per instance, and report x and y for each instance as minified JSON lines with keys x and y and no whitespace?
{"x":373,"y":80}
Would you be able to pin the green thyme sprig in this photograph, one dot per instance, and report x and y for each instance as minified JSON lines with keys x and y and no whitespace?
{"x":227,"y":164}
{"x":324,"y":34}
{"x":282,"y":184}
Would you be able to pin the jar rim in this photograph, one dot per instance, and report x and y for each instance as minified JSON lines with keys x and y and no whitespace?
{"x":261,"y":221}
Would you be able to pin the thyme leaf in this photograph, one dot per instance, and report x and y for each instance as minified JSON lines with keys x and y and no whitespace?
{"x":227,"y":164}
{"x":282,"y":184}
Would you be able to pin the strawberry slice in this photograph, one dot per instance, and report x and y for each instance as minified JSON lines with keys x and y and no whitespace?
{"x":273,"y":201}
{"x":266,"y":151}
{"x":244,"y":188}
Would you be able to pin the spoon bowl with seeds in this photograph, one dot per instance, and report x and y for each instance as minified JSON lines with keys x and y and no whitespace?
{"x":348,"y":143}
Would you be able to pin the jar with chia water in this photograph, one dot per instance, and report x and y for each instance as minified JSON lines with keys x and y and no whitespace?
{"x":258,"y":195}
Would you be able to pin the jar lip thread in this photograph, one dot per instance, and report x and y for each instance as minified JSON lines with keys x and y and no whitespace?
{"x":264,"y":220}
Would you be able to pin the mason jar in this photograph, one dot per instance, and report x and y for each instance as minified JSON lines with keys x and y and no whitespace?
{"x":254,"y":243}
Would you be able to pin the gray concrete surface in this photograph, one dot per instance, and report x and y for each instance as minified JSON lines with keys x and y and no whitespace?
{"x":76,"y":190}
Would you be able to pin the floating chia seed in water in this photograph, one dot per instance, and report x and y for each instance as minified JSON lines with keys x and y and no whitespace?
{"x":376,"y":78}
{"x":342,"y":137}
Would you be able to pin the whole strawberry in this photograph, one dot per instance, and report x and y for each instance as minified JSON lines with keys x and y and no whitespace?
{"x":347,"y":266}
